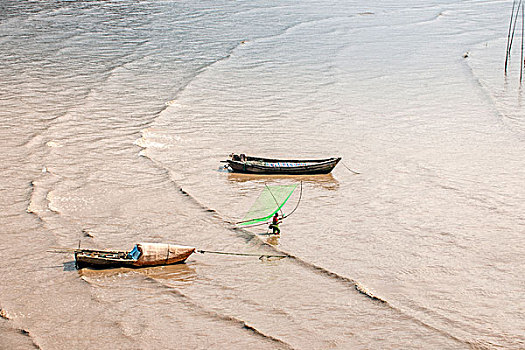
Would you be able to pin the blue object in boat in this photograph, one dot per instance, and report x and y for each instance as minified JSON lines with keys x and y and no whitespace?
{"x":134,"y":253}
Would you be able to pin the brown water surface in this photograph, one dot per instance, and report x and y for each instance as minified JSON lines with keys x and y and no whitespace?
{"x":114,"y":120}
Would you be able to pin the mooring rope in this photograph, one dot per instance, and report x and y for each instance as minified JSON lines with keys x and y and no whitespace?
{"x":355,"y":172}
{"x":202,"y":251}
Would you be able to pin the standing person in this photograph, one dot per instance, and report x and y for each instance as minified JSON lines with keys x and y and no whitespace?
{"x":275,"y":224}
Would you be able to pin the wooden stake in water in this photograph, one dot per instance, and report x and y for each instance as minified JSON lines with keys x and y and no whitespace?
{"x":514,"y":22}
{"x":508,"y":36}
{"x":521,"y":61}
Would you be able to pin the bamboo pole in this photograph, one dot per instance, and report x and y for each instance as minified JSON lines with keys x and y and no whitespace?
{"x":278,"y":206}
{"x":521,"y":60}
{"x":514,"y":28}
{"x":522,"y":31}
{"x":508,"y":36}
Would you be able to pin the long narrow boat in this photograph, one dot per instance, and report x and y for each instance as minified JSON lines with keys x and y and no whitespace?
{"x":256,"y":165}
{"x":142,"y":254}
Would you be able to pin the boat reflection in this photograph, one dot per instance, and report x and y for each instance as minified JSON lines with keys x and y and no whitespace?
{"x":177,"y":273}
{"x":326,"y":181}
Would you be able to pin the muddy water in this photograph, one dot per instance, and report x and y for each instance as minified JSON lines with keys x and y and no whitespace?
{"x":115,"y":117}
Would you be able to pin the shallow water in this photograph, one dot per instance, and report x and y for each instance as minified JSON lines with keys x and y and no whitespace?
{"x":115,"y":118}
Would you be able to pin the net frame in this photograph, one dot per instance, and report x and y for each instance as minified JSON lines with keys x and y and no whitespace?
{"x":270,"y":201}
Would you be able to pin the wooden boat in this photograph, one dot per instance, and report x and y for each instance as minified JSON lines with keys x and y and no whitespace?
{"x":268,"y":166}
{"x":142,"y":254}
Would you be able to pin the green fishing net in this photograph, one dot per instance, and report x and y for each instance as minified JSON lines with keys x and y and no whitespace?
{"x":270,"y":201}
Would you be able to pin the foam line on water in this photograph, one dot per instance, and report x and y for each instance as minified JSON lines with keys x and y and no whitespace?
{"x":5,"y":315}
{"x":234,"y":321}
{"x":230,"y":319}
{"x":357,"y":286}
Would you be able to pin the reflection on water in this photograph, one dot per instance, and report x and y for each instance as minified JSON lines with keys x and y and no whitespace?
{"x":177,"y":273}
{"x":273,"y":240}
{"x":223,"y":169}
{"x":69,"y":266}
{"x":325,"y":181}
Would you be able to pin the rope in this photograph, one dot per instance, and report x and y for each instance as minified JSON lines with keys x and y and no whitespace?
{"x":355,"y":172}
{"x":241,"y":254}
{"x":61,"y":250}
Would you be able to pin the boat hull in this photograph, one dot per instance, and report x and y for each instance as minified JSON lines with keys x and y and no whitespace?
{"x":101,"y":259}
{"x":268,"y":166}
